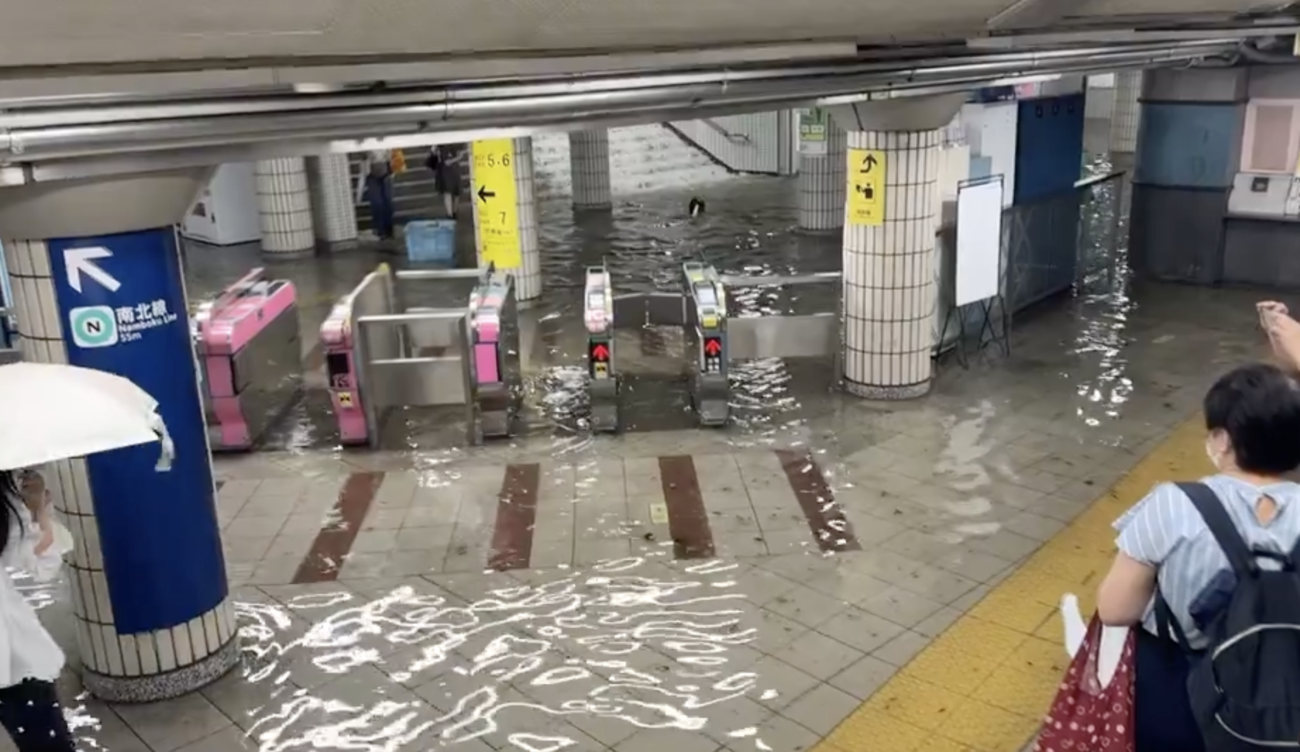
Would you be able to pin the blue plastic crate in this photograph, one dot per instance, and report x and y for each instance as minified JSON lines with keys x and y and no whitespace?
{"x":431,"y":240}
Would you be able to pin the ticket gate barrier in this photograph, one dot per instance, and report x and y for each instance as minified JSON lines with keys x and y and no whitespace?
{"x":808,"y":335}
{"x":706,"y":331}
{"x":598,"y":318}
{"x":382,"y":354}
{"x":700,"y":309}
{"x":249,"y":351}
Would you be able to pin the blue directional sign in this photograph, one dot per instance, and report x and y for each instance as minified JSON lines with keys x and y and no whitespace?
{"x":122,"y":301}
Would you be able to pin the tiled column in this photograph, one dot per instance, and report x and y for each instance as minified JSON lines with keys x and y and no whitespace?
{"x":821,"y":184}
{"x":1125,"y":112}
{"x":528,"y":278}
{"x":284,"y":204}
{"x":589,"y":163}
{"x":109,"y":504}
{"x":334,"y":213}
{"x":889,"y":292}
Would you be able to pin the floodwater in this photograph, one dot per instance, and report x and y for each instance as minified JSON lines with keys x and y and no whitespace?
{"x":540,"y":661}
{"x":565,"y":659}
{"x":749,"y":228}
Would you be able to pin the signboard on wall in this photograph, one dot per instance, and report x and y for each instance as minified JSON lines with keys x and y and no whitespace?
{"x":812,"y":132}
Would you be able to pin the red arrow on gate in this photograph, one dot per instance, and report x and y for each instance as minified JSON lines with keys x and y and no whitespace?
{"x":712,"y":346}
{"x":600,"y":352}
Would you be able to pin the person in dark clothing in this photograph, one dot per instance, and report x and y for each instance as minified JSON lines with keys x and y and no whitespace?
{"x":445,"y":162}
{"x":379,"y":192}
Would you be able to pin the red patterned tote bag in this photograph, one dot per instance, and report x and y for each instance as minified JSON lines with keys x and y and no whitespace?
{"x":1089,"y":715}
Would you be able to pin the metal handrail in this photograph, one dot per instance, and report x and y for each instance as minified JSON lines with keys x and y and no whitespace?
{"x":731,"y":136}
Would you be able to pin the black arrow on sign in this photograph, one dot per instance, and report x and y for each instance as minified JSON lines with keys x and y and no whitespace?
{"x":868,"y":163}
{"x":484,"y":194}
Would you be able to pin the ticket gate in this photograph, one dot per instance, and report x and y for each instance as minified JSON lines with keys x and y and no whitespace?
{"x":700,"y":309}
{"x":249,"y":352}
{"x":382,"y":353}
{"x":806,"y":335}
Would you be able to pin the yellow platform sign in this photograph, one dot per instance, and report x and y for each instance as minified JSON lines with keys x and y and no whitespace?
{"x":866,"y":187}
{"x":496,"y":203}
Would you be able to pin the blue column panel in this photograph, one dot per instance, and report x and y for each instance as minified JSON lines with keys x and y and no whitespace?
{"x":122,"y":302}
{"x":1049,"y":146}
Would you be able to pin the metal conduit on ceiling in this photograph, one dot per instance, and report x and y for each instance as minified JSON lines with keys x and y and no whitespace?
{"x":42,"y":133}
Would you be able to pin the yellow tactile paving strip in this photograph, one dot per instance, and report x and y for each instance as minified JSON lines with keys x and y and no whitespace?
{"x":985,"y":683}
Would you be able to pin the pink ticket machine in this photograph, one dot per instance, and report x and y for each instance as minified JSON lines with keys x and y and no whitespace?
{"x":498,"y":377}
{"x":249,"y":351}
{"x":341,"y":374}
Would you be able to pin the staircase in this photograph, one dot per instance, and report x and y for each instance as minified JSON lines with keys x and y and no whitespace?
{"x":643,"y":158}
{"x":413,"y":193}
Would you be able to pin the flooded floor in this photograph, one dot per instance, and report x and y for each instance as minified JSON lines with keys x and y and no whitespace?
{"x":723,"y":590}
{"x":749,"y":229}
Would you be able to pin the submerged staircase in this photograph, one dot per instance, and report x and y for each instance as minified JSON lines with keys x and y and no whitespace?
{"x":642,"y":158}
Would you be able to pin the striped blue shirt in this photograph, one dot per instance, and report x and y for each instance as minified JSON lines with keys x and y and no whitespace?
{"x":1165,"y":531}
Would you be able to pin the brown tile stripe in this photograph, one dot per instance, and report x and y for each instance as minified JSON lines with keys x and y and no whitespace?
{"x":512,"y":536}
{"x":334,"y":541}
{"x":830,"y":528}
{"x":688,"y":523}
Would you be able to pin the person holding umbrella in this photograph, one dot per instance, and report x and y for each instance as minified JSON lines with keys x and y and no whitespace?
{"x":30,"y":659}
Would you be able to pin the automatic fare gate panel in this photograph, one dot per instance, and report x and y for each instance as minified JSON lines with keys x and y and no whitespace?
{"x":700,"y":309}
{"x":598,"y":317}
{"x":706,"y":330}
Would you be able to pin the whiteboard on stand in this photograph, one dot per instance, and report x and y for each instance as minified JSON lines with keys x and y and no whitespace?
{"x":979,"y":240}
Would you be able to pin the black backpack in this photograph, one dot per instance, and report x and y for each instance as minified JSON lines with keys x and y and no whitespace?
{"x":1245,"y":689}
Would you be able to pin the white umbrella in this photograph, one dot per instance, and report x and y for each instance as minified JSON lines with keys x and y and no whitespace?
{"x":53,"y":412}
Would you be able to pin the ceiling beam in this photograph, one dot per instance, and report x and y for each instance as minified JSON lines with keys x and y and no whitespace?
{"x":1027,"y":14}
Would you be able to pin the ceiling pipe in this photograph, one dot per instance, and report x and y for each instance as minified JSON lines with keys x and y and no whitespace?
{"x":474,"y":107}
{"x":66,"y":111}
{"x":1264,"y":52}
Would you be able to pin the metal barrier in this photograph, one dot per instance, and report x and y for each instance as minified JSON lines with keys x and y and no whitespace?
{"x":700,"y":309}
{"x":381,"y":354}
{"x":249,"y":350}
{"x":788,"y":335}
{"x":1070,"y":240}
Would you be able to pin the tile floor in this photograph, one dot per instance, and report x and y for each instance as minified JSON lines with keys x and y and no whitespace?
{"x":607,"y":639}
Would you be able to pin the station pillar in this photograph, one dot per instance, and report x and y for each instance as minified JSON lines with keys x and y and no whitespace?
{"x":97,"y":283}
{"x":284,"y":205}
{"x":589,"y":167}
{"x":891,"y":214}
{"x":505,"y":210}
{"x":821,"y":179}
{"x":334,"y":211}
{"x":1125,"y":115}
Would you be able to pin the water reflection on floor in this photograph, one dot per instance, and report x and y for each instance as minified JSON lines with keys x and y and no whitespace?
{"x":526,"y":665}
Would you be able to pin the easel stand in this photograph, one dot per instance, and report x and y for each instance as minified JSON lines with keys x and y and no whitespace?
{"x":977,"y":274}
{"x":998,"y":331}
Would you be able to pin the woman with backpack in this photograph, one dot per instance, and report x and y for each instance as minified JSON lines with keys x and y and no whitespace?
{"x":1206,"y":575}
{"x":30,"y":660}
